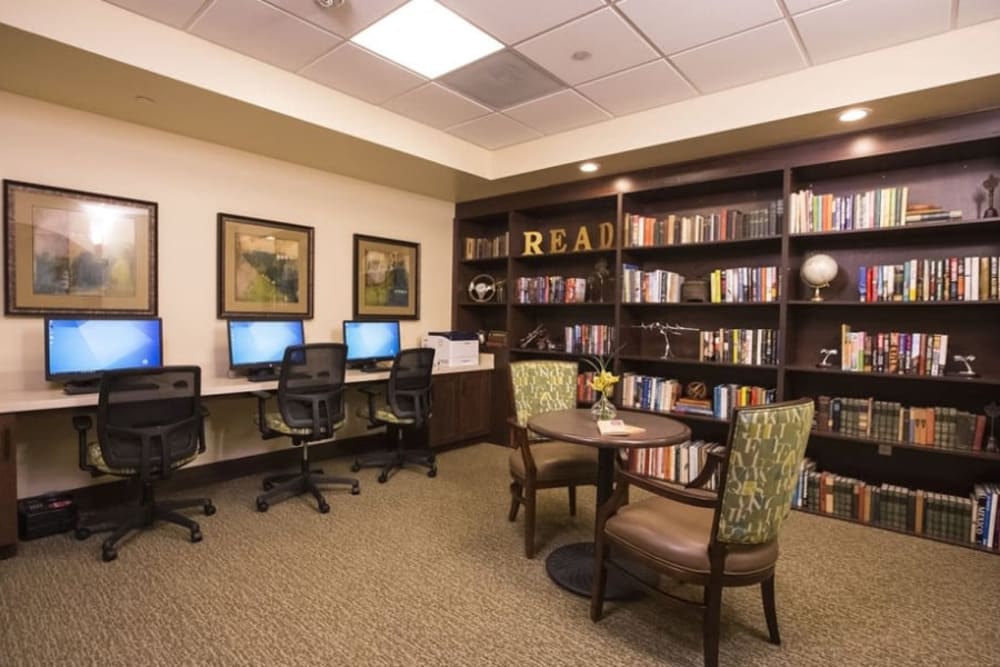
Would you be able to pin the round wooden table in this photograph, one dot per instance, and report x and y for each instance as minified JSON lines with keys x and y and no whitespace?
{"x":572,"y":566}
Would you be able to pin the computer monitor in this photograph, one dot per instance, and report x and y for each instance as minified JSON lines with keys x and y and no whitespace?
{"x":370,"y":341}
{"x":79,"y":350}
{"x":258,"y":346}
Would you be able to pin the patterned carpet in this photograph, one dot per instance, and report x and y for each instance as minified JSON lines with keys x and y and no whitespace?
{"x":429,"y":572}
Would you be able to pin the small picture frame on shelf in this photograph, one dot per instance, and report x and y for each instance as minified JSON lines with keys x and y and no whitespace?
{"x":74,"y":252}
{"x":265,"y":268}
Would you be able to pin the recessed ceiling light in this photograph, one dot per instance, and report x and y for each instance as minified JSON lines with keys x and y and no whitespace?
{"x":588,"y":167}
{"x":581,"y":55}
{"x":427,"y":38}
{"x":853,"y":114}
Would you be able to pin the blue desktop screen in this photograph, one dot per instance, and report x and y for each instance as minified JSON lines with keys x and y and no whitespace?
{"x":371,"y":340}
{"x":77,"y":347}
{"x":257,"y":343}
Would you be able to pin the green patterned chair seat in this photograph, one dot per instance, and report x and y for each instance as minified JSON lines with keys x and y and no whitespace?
{"x":276,"y":423}
{"x":386,"y":415}
{"x":95,"y":457}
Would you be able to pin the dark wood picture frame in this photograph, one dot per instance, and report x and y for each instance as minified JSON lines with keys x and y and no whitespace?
{"x":75,"y":252}
{"x":265,"y":268}
{"x":386,"y":279}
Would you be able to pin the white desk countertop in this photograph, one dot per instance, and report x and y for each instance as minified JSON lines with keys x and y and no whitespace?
{"x":54,"y":398}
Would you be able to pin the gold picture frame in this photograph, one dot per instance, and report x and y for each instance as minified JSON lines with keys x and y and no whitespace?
{"x":75,"y":252}
{"x":265,"y":268}
{"x":386,"y":279}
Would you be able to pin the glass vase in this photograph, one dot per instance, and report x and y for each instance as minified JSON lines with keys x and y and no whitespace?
{"x":603,"y":408}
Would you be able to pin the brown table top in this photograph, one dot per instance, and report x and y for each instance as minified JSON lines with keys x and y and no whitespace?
{"x":579,"y":426}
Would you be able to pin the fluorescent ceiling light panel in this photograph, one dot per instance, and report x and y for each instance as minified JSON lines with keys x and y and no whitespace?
{"x":427,"y":38}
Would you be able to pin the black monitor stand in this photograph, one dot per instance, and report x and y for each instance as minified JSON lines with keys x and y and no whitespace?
{"x":262,"y":373}
{"x":91,"y":386}
{"x":369,"y":366}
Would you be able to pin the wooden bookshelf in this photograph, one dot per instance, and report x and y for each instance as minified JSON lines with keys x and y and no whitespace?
{"x":941,"y":162}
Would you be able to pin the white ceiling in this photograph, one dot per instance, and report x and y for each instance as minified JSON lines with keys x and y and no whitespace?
{"x":666,"y":81}
{"x":640,"y":53}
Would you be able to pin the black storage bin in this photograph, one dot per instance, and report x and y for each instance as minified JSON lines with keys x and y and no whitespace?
{"x":45,"y":515}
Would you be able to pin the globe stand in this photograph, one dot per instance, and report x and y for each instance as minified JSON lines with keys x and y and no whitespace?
{"x":816,"y":288}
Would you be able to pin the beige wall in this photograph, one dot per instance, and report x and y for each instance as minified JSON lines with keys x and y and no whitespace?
{"x":192,"y":181}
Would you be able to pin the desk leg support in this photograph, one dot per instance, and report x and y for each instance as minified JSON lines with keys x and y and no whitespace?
{"x":8,"y":488}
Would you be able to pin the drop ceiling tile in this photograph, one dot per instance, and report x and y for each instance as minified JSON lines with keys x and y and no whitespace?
{"x":436,"y":106}
{"x":355,"y":71}
{"x":971,"y":12}
{"x":494,"y":131}
{"x":644,"y":87}
{"x":676,"y":25}
{"x":799,"y":6}
{"x":502,"y":80}
{"x":347,"y":20}
{"x":557,"y":113}
{"x":857,"y":26}
{"x":749,"y":56}
{"x":511,"y":21}
{"x":611,"y":43}
{"x":260,"y":31}
{"x":176,"y":13}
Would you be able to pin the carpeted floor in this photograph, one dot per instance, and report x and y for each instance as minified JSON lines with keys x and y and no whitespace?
{"x":425,"y":571}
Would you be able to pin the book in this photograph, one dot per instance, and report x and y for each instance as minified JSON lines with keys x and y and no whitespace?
{"x":617,"y":427}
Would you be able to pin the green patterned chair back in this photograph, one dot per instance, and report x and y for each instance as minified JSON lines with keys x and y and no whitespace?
{"x":542,"y":386}
{"x":766,"y":446}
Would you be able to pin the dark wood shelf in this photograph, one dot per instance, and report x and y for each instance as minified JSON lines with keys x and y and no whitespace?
{"x":927,"y":230}
{"x":890,"y":304}
{"x":559,"y":354}
{"x":964,"y":453}
{"x":679,"y":415}
{"x":701,"y":304}
{"x":957,"y":379}
{"x":564,"y":305}
{"x":967,"y":545}
{"x":549,"y":256}
{"x":740,"y":243}
{"x":695,"y":362}
{"x":473,"y":304}
{"x":485,"y":261}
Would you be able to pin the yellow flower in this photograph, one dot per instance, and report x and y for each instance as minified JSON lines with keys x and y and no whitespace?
{"x":604,"y":382}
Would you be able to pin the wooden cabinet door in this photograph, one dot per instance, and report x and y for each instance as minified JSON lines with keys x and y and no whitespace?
{"x":443,"y":424}
{"x":475,"y":398}
{"x":8,"y":488}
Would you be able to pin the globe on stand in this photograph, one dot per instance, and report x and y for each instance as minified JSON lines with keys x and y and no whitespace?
{"x":818,"y":271}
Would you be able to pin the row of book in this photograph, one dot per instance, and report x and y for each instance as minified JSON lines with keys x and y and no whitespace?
{"x":679,"y":464}
{"x":591,"y":339}
{"x":726,"y":225}
{"x":745,"y":284}
{"x":893,"y":352}
{"x":971,"y":519}
{"x":936,"y":426}
{"x":654,"y":286}
{"x":949,"y":279}
{"x":483,"y":247}
{"x":884,"y":207}
{"x":550,"y":289}
{"x":659,"y":394}
{"x":739,"y":346}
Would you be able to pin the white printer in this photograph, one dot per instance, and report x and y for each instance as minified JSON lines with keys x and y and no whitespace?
{"x":453,"y":348}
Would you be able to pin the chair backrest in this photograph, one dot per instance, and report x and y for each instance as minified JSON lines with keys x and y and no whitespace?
{"x":766,"y":446}
{"x":409,"y":391}
{"x":542,"y":386}
{"x":311,"y":387}
{"x":144,"y":415}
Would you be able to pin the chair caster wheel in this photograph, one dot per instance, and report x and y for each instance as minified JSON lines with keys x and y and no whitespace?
{"x":261,"y":505}
{"x":324,"y":508}
{"x":355,"y":490}
{"x":82,"y":533}
{"x":108,"y":555}
{"x":196,"y":535}
{"x":356,"y":466}
{"x":433,"y":472}
{"x":382,"y":478}
{"x":268,"y":486}
{"x":208,"y":509}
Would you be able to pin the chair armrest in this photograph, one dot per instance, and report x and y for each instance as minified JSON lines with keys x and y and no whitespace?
{"x":695,"y":497}
{"x":83,"y":424}
{"x":716,"y":456}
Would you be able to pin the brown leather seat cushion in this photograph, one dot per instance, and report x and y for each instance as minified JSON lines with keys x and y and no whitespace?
{"x":677,"y":535}
{"x":557,"y":460}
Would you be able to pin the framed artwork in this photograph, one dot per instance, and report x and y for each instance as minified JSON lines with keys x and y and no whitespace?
{"x":265,"y":269}
{"x":72,"y":252}
{"x":386,"y":279}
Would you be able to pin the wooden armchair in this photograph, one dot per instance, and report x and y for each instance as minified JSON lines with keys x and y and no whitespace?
{"x":714,"y":540}
{"x":537,"y":387}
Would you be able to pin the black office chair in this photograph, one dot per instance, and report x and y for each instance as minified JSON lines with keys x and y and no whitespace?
{"x":310,"y":408}
{"x":149,"y":422}
{"x":407,"y":408}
